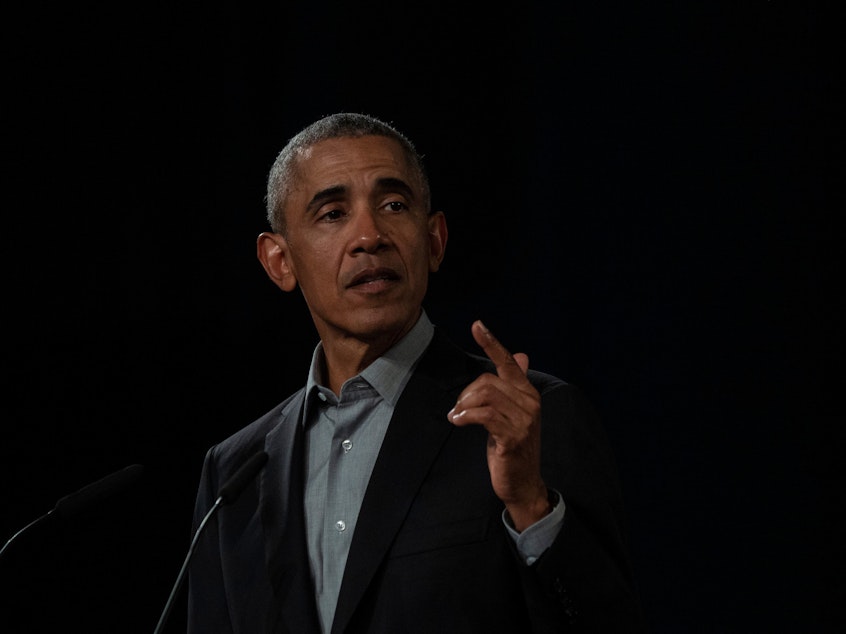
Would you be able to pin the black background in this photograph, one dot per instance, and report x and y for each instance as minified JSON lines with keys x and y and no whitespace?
{"x":645,"y":198}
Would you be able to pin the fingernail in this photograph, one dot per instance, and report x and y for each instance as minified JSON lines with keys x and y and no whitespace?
{"x":452,"y":416}
{"x":484,"y":328}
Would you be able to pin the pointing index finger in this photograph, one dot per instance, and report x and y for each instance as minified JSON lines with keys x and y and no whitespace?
{"x":507,"y":365}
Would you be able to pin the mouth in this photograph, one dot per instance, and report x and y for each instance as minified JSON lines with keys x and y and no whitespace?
{"x":374,"y":279}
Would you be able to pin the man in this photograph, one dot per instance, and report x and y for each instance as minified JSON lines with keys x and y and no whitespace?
{"x":410,"y":486}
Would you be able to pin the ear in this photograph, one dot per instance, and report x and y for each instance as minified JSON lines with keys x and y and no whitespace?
{"x":274,"y":255}
{"x":437,"y":239}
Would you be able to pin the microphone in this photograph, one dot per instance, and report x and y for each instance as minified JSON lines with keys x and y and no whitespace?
{"x":228,"y":493}
{"x":85,"y":497}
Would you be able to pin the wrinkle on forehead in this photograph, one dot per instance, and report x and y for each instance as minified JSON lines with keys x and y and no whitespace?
{"x":361,"y":154}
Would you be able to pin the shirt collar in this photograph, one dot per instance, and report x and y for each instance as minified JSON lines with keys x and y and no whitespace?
{"x":389,"y":373}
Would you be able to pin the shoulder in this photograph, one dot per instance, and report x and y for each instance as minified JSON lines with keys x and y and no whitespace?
{"x":249,"y":439}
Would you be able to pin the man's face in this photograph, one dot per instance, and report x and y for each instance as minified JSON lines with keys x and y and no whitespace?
{"x":359,"y":241}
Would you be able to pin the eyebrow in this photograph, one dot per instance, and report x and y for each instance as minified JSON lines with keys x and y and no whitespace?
{"x":391,"y":184}
{"x":386,"y":184}
{"x":324,"y":195}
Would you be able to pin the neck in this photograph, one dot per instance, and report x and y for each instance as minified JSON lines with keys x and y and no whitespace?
{"x":343,"y":360}
{"x":346,"y":356}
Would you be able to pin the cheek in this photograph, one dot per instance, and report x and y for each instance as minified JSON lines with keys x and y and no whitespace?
{"x":315,"y":260}
{"x":423,"y":249}
{"x":322,"y":254}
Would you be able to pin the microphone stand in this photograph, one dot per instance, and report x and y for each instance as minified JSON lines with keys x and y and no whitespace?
{"x":85,"y":497}
{"x":175,"y":590}
{"x":229,"y":492}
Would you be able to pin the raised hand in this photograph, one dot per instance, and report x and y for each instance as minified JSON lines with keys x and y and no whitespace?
{"x":509,"y":407}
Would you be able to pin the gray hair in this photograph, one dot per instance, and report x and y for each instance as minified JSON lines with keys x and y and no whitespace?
{"x":344,"y":124}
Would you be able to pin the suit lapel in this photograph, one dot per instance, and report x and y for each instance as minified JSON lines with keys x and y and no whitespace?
{"x":283,"y":521}
{"x":417,"y":431}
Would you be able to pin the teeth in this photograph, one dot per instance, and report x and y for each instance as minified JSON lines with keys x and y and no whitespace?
{"x":365,"y":280}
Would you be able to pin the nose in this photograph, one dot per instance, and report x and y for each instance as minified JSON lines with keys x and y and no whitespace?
{"x":367,"y":234}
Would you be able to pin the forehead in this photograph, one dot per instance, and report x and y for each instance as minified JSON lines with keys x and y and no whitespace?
{"x":346,"y":160}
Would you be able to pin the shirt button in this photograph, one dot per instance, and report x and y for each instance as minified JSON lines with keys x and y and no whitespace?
{"x":340,"y":526}
{"x":321,"y":396}
{"x":347,"y":445}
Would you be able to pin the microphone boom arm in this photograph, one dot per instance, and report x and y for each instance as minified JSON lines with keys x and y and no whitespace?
{"x":227,"y":494}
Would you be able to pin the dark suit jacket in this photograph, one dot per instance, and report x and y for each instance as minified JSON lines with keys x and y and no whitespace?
{"x":429,"y":553}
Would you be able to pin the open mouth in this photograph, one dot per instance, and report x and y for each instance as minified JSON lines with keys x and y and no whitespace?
{"x":373,"y":277}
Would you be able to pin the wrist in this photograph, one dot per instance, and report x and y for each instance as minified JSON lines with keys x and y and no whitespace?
{"x":524,"y":515}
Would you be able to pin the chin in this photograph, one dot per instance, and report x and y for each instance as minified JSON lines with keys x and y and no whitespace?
{"x":380,"y":323}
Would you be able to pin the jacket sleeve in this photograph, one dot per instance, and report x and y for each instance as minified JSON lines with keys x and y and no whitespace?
{"x":585,"y":579}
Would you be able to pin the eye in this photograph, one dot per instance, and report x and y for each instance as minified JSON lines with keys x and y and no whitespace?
{"x":396,"y":206}
{"x":331,"y":215}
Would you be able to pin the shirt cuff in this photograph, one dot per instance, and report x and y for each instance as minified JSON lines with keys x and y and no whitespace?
{"x":539,"y":536}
